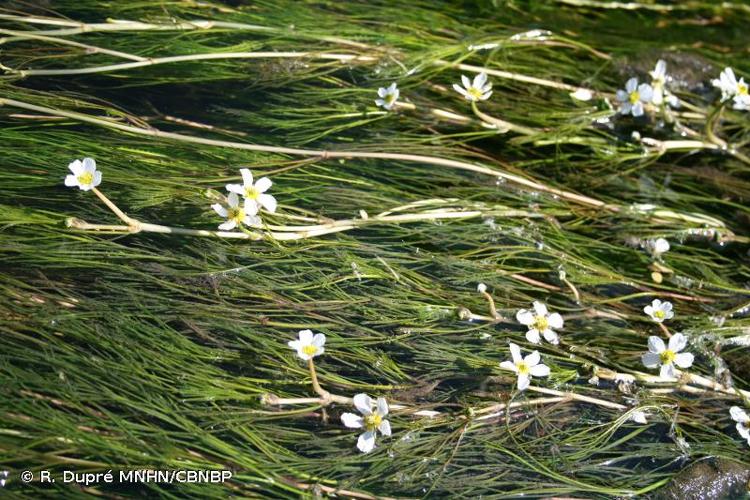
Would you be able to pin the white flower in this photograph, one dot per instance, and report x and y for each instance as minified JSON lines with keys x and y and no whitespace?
{"x":743,"y":422}
{"x":659,"y":311}
{"x":388,"y":96}
{"x":638,"y":417}
{"x":3,"y":478}
{"x":371,"y":421}
{"x":308,"y":346}
{"x":237,"y":214}
{"x":481,"y":288}
{"x":634,"y":97}
{"x":254,"y":193}
{"x":84,"y":176}
{"x":667,"y":357}
{"x":478,"y":90}
{"x":733,"y":89}
{"x":525,"y":367}
{"x":658,"y":80}
{"x":657,"y":247}
{"x":540,"y":321}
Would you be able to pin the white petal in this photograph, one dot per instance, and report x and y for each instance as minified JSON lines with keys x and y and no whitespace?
{"x":465,"y":80}
{"x":626,"y":108}
{"x":460,"y":90}
{"x":509,"y":365}
{"x":319,"y":340}
{"x":532,"y":359}
{"x":638,"y":417}
{"x":247,"y":176}
{"x":76,"y":167}
{"x":263,"y":184}
{"x":305,"y":337}
{"x":525,"y":317}
{"x":380,"y":102}
{"x":585,"y":94}
{"x":631,"y":84}
{"x":89,"y":165}
{"x":515,"y":352}
{"x":382,"y":405}
{"x":228,"y":225}
{"x":71,"y":180}
{"x":233,"y":200}
{"x":294,"y":344}
{"x":480,"y":80}
{"x":363,"y":403}
{"x":382,"y":92}
{"x":533,"y":336}
{"x":352,"y":420}
{"x":523,"y":382}
{"x":684,"y":360}
{"x":667,"y":371}
{"x":540,"y":308}
{"x":677,"y":342}
{"x":646,"y":92}
{"x":268,"y":202}
{"x":555,"y":320}
{"x":250,"y":207}
{"x":392,"y":88}
{"x":637,"y":109}
{"x":486,"y":96}
{"x":651,"y":360}
{"x":220,"y":210}
{"x":656,"y":345}
{"x":622,"y":96}
{"x":251,"y":221}
{"x":235,"y":188}
{"x":540,"y":370}
{"x":366,"y":442}
{"x":738,"y":414}
{"x":743,"y":430}
{"x":551,"y":337}
{"x":97,"y":178}
{"x":385,"y":428}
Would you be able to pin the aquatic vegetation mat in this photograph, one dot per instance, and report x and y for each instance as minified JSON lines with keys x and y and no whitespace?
{"x":374,"y":249}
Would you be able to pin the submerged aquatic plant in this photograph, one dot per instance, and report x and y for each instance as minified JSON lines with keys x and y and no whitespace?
{"x":127,"y":341}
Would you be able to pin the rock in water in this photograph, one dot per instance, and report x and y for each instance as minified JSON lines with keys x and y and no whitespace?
{"x":709,"y":479}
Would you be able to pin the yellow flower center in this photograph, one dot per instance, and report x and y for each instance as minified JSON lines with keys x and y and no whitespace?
{"x":523,"y":368}
{"x":474,"y":92}
{"x":667,"y":357}
{"x":541,"y":323}
{"x":251,"y":193}
{"x":372,"y":421}
{"x":634,"y":97}
{"x":236,"y":214}
{"x":86,"y":178}
{"x":310,"y":349}
{"x":389,"y":98}
{"x":741,"y":89}
{"x":659,"y":314}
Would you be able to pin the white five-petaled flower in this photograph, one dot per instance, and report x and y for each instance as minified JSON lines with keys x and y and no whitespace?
{"x":371,"y":421}
{"x":308,"y":345}
{"x":387,"y":96}
{"x":540,"y":321}
{"x":85,"y":175}
{"x":525,"y":367}
{"x":743,"y":422}
{"x":236,"y":213}
{"x":667,"y":356}
{"x":734,"y":89}
{"x":478,"y":90}
{"x":657,"y":247}
{"x":254,"y":193}
{"x":634,"y":97}
{"x":659,"y":311}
